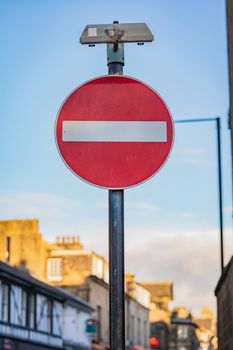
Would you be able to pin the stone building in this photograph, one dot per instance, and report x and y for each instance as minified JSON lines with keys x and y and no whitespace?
{"x":22,"y":246}
{"x":159,"y":316}
{"x":206,"y":331}
{"x":86,"y":274}
{"x":206,"y":318}
{"x":37,"y":316}
{"x":224,"y":294}
{"x":137,"y":305}
{"x":66,"y":264}
{"x":182,"y":331}
{"x":161,"y":296}
{"x":186,"y":328}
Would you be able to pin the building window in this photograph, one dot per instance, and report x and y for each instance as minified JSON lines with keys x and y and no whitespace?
{"x":43,"y":313}
{"x":49,"y":316}
{"x":142,"y":295}
{"x":106,"y":273}
{"x":24,"y":308}
{"x":132,"y":329}
{"x":99,"y":323}
{"x":145,"y":333}
{"x":5,"y":303}
{"x":54,"y":269}
{"x":139,"y":331}
{"x":57,"y":318}
{"x":31,"y":310}
{"x":97,"y":267}
{"x":182,"y":332}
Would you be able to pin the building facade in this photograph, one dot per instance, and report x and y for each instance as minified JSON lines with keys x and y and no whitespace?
{"x":161,"y":296}
{"x":86,"y":274}
{"x":22,"y":246}
{"x":159,"y":335}
{"x":37,"y":316}
{"x":137,"y":308}
{"x":224,"y":294}
{"x":184,"y":330}
{"x":206,"y":331}
{"x":182,"y":333}
{"x":67,"y":264}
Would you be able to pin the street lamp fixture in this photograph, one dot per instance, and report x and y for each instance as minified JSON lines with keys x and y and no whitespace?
{"x":116,"y":33}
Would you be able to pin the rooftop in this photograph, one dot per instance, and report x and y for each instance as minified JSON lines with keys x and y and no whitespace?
{"x":23,"y":278}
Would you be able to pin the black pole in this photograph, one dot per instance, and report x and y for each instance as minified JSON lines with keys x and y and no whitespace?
{"x":217,"y":120}
{"x":116,"y":271}
{"x":220,"y":191}
{"x":115,"y":53}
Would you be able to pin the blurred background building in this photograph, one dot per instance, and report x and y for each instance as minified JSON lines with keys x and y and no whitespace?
{"x":183,"y":331}
{"x":161,"y":296}
{"x":84,"y":274}
{"x":224,"y":287}
{"x":37,"y":316}
{"x":224,"y":294}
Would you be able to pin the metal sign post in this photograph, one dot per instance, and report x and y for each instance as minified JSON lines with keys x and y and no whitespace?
{"x":114,"y":36}
{"x":115,"y":132}
{"x":116,"y":271}
{"x":115,"y":59}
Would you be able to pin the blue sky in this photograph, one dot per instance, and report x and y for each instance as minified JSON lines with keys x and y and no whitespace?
{"x":171,"y":222}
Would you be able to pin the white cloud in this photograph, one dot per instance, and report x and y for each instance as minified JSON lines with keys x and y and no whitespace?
{"x":189,"y":259}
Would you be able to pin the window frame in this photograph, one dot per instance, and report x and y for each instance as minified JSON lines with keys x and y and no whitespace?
{"x":7,"y":285}
{"x":31,"y":296}
{"x":50,"y":275}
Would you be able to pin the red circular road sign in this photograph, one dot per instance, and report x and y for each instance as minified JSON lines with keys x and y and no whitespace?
{"x":114,"y":132}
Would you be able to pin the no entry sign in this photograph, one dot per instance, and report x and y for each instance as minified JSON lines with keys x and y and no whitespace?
{"x":114,"y":132}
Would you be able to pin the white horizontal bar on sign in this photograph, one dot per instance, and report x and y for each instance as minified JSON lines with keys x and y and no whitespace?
{"x":108,"y":131}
